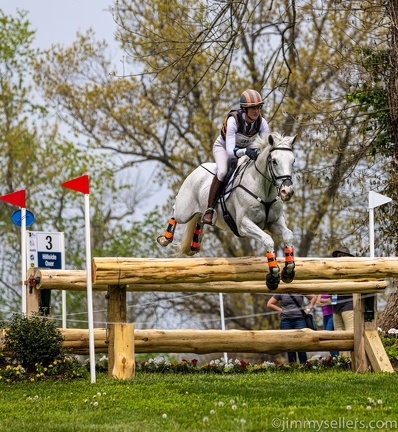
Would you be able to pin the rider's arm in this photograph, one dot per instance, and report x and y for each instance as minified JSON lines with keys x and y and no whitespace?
{"x":230,"y":139}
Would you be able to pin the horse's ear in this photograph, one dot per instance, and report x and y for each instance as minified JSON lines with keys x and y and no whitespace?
{"x":271,"y":140}
{"x":294,"y":139}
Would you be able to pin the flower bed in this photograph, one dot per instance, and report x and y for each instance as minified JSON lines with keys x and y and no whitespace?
{"x":66,"y":368}
{"x":161,"y":364}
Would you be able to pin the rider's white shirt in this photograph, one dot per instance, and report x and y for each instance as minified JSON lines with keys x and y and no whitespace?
{"x":233,"y":138}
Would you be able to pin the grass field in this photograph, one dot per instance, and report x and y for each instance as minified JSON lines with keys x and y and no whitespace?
{"x":268,"y":401}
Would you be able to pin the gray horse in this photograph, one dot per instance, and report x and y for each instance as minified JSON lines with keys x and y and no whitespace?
{"x":252,"y":202}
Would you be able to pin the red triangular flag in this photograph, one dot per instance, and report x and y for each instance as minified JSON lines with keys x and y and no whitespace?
{"x":16,"y":198}
{"x":79,"y":184}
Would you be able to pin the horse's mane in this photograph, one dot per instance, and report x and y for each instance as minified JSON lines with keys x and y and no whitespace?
{"x":263,"y":143}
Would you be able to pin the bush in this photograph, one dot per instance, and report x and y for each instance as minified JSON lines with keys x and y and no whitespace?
{"x":32,"y":340}
{"x":390,"y":343}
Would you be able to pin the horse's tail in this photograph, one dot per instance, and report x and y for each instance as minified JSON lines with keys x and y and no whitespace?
{"x":186,"y":241}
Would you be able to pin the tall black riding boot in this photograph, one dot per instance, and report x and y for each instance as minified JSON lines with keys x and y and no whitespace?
{"x":215,"y":191}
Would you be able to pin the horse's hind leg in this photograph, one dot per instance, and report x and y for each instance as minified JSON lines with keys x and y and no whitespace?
{"x":168,"y":235}
{"x":197,"y":238}
{"x":288,"y":271}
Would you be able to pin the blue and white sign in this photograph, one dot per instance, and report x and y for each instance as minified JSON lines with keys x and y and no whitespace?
{"x":16,"y":218}
{"x":46,"y":250}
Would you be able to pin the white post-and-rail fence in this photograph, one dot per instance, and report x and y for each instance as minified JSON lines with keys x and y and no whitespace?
{"x":355,"y":275}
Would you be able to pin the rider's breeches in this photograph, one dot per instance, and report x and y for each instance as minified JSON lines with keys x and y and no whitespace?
{"x":221,"y":158}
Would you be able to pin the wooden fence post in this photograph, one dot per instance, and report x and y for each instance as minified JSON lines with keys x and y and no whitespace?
{"x":117,"y":313}
{"x":368,"y":347}
{"x":124,"y":362}
{"x":359,"y":360}
{"x":32,"y":293}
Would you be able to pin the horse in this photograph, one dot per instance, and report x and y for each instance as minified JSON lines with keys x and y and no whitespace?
{"x":252,"y":202}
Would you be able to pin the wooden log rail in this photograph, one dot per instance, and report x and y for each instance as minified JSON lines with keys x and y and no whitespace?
{"x":75,"y":280}
{"x":212,"y":341}
{"x":69,"y":280}
{"x":125,"y":271}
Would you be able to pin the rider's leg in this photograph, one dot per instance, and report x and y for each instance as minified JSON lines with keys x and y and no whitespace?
{"x":221,"y":158}
{"x":215,"y":191}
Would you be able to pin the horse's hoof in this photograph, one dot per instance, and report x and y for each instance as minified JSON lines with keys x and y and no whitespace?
{"x":272,"y":281}
{"x":163,"y":241}
{"x":288,"y":277}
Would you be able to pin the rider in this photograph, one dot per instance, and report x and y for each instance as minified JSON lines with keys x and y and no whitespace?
{"x":237,"y":135}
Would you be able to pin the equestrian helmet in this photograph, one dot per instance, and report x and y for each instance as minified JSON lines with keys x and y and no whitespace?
{"x":250,"y":98}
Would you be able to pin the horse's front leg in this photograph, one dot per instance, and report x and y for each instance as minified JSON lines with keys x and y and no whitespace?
{"x":250,"y":229}
{"x":288,"y":271}
{"x":273,"y":277}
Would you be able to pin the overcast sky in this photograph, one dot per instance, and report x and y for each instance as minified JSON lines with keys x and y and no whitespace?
{"x":57,"y":21}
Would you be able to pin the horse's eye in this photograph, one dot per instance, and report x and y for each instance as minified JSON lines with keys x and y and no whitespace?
{"x":274,"y":162}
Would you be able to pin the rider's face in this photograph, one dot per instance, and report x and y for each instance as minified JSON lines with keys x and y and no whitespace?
{"x":253,"y":113}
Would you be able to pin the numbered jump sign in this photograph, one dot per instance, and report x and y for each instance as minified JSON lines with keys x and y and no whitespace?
{"x":46,"y":250}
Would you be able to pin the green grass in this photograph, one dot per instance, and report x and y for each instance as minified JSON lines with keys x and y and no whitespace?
{"x":269,"y":401}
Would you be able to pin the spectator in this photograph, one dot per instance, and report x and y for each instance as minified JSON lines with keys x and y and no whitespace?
{"x":292,"y":316}
{"x":325,"y":301}
{"x":343,"y":310}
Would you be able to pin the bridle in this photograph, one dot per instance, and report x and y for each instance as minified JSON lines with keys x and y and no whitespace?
{"x":286,"y":179}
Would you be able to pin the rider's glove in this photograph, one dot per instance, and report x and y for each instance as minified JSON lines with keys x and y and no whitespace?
{"x":239,"y":152}
{"x":251,"y":153}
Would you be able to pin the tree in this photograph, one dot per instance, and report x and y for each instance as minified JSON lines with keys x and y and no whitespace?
{"x":37,"y":157}
{"x":389,"y":318}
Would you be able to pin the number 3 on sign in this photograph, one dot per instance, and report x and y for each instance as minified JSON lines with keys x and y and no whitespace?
{"x":49,"y":245}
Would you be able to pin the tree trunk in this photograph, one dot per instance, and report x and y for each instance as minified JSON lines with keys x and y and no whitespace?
{"x":389,"y":318}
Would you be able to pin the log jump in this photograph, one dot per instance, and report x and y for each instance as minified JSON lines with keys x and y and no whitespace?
{"x":210,"y":341}
{"x":348,"y":275}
